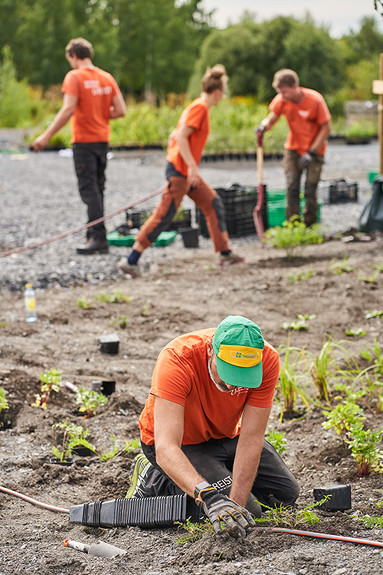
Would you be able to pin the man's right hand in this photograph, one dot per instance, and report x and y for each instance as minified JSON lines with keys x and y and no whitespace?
{"x":260,"y":130}
{"x":221,"y":509}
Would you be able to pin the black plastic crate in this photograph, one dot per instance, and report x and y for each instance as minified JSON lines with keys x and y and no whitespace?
{"x":182,"y":219}
{"x":342,"y":191}
{"x":239,"y":202}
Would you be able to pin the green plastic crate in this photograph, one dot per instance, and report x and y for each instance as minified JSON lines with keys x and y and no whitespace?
{"x":275,"y":196}
{"x":276,"y":212}
{"x":164,"y":239}
{"x":372,"y":176}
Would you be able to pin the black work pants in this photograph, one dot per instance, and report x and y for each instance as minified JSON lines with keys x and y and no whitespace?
{"x":90,"y":161}
{"x":214,"y":459}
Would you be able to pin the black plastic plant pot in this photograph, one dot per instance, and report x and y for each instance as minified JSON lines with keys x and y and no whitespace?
{"x":82,"y":451}
{"x":109,"y":343}
{"x":339,"y":500}
{"x":57,"y":461}
{"x":108,"y":387}
{"x":190,"y":237}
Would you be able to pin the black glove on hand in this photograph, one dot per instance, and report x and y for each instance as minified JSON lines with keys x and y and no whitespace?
{"x":260,"y":130}
{"x":219,"y":507}
{"x":306,"y":159}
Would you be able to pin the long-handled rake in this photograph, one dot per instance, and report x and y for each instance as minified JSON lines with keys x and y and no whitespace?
{"x":257,"y":213}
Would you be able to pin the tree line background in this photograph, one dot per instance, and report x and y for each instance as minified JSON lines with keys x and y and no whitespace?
{"x":158,"y":51}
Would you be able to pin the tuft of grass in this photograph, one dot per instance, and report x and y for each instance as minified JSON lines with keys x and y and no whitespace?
{"x":114,"y":297}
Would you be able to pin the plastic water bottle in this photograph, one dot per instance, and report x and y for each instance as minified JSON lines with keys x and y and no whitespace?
{"x":30,"y":304}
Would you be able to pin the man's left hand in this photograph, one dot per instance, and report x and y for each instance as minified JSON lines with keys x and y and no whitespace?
{"x":306,"y":159}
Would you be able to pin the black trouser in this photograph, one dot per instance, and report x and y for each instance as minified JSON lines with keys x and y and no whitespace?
{"x":90,"y":164}
{"x":214,"y":459}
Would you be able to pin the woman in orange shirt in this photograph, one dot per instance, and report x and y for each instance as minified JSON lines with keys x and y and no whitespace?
{"x":186,"y":144}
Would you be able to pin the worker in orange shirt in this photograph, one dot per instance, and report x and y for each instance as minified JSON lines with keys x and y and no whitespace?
{"x":91,"y":98}
{"x":186,"y":144}
{"x":308,"y":118}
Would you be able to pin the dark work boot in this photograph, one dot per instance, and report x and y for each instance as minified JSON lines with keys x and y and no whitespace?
{"x":94,"y":246}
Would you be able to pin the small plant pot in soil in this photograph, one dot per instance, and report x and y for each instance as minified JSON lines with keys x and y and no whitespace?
{"x":82,"y":451}
{"x":340,"y":499}
{"x":108,"y":387}
{"x":190,"y":237}
{"x":109,"y":343}
{"x":57,"y":461}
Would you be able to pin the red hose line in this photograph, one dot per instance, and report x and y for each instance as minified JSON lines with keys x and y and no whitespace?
{"x":81,"y":228}
{"x":34,"y":501}
{"x":327,"y":536}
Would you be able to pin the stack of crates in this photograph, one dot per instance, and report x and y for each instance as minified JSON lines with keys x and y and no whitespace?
{"x":239,"y":202}
{"x":182,"y":219}
{"x":276,"y":207}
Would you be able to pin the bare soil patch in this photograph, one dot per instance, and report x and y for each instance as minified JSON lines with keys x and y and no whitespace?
{"x":186,"y":293}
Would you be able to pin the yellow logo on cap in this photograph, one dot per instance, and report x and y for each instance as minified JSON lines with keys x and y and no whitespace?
{"x":240,"y":355}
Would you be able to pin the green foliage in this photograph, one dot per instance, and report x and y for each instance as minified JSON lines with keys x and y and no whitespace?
{"x":293,"y":236}
{"x":358,"y":332}
{"x":277,"y":440}
{"x":15,"y":99}
{"x":363,"y":444}
{"x":374,"y":313}
{"x":115,"y":297}
{"x":50,"y":381}
{"x":122,"y":321}
{"x":289,"y":516}
{"x":289,"y":387}
{"x":73,"y":436}
{"x":300,"y":276}
{"x":344,"y":418}
{"x":371,"y":521}
{"x":84,"y":303}
{"x":89,"y":401}
{"x":145,"y":309}
{"x":340,"y":267}
{"x":195,"y":530}
{"x":3,"y":399}
{"x":300,"y":324}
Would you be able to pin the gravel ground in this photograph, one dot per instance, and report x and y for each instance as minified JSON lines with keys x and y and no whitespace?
{"x":40,"y":200}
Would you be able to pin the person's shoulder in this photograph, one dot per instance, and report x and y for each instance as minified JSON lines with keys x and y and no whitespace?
{"x":269,"y":352}
{"x":310,"y":93}
{"x":189,"y":343}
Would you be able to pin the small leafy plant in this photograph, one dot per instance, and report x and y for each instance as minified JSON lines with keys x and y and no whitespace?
{"x":374,"y":313}
{"x":72,"y":436}
{"x":300,"y":324}
{"x":363,"y":444}
{"x":357,"y":332}
{"x":194,"y":530}
{"x":288,"y":387}
{"x":122,"y":321}
{"x":3,"y":399}
{"x":344,"y":418}
{"x":293,"y":236}
{"x":300,"y":276}
{"x":50,"y":381}
{"x":145,"y":309}
{"x":370,"y":520}
{"x":115,"y":297}
{"x":84,"y":303}
{"x":277,"y":440}
{"x":371,"y":279}
{"x":289,"y":516}
{"x":340,"y":267}
{"x":89,"y":400}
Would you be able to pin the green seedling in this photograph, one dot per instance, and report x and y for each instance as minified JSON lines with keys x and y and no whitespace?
{"x":3,"y":399}
{"x":379,"y":268}
{"x":195,"y":530}
{"x":340,"y":267}
{"x":145,"y":310}
{"x":374,"y":356}
{"x":358,"y":332}
{"x":300,"y":324}
{"x":277,"y":440}
{"x":209,"y":267}
{"x":371,"y":520}
{"x":289,"y":516}
{"x":84,"y":303}
{"x":50,"y":381}
{"x":115,"y":450}
{"x":293,"y":236}
{"x":322,"y":367}
{"x":288,"y":387}
{"x":369,"y":279}
{"x":73,"y":436}
{"x":3,"y":324}
{"x":344,"y":417}
{"x":374,"y":313}
{"x":363,"y":444}
{"x":89,"y":401}
{"x":122,"y":322}
{"x":300,"y":276}
{"x":115,"y":297}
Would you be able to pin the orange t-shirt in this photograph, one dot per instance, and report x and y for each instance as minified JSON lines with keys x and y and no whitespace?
{"x":95,"y":90}
{"x":181,"y":375}
{"x":304,"y":119}
{"x":195,"y":116}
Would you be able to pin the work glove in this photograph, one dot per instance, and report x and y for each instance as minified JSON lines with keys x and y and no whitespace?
{"x":220,"y":508}
{"x":306,"y":159}
{"x":260,"y":130}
